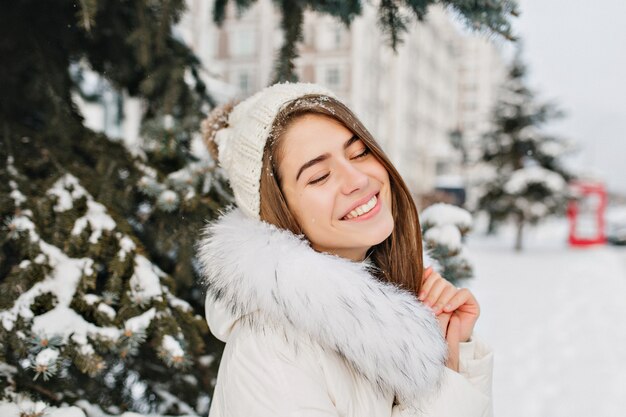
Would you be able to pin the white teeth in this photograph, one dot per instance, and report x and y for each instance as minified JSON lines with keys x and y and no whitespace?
{"x":361,"y":210}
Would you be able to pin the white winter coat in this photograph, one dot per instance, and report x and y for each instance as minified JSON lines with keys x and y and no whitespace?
{"x":312,"y":334}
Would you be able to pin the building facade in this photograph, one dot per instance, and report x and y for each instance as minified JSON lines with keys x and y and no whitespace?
{"x":481,"y":73}
{"x":439,"y":80}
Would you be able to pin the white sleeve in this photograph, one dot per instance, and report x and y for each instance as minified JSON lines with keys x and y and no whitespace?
{"x":262,"y":378}
{"x":466,"y":393}
{"x":476,"y":364}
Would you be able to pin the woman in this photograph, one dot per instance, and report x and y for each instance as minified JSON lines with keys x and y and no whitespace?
{"x":316,"y":282}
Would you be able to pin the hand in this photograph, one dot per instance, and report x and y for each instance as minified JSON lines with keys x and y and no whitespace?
{"x":445,"y":298}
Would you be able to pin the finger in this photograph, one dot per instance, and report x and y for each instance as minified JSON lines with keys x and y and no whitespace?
{"x":436,"y":290}
{"x":443,"y":320}
{"x":462,"y":297}
{"x":428,"y":283}
{"x":467,"y":323}
{"x":453,"y":330}
{"x":453,"y":341}
{"x":444,"y":298}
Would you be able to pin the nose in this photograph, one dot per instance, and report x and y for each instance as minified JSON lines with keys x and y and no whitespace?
{"x":352,"y":178}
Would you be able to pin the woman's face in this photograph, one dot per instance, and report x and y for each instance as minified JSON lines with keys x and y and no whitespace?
{"x":338,"y":192}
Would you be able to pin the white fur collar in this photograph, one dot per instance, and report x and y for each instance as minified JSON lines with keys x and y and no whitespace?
{"x":274,"y":277}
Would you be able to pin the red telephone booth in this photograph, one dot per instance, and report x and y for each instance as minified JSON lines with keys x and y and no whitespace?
{"x":586,"y":213}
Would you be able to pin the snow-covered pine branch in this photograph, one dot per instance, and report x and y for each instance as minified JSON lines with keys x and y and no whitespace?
{"x":83,"y":312}
{"x":443,"y":229}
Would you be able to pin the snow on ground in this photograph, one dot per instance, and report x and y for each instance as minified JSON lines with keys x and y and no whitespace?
{"x":555,"y":317}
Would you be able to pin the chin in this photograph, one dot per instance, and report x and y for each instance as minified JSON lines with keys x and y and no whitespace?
{"x":383,"y":234}
{"x":375,"y":234}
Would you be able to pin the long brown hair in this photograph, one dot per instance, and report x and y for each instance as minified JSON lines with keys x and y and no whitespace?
{"x":399,"y":257}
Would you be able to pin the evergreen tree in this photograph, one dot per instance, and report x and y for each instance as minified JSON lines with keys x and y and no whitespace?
{"x":526,"y":180}
{"x":98,"y":298}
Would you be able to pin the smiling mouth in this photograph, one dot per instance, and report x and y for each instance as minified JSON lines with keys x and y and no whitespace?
{"x":362,"y":209}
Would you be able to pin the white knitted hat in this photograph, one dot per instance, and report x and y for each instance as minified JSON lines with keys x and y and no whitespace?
{"x":241,"y":144}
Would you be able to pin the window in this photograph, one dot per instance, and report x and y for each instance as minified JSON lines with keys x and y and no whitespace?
{"x":333,"y":78}
{"x":337,"y":37}
{"x":244,"y":82}
{"x":441,"y":168}
{"x":242,"y":42}
{"x":329,"y":36}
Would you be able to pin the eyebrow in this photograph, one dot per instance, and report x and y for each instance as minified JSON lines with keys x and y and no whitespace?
{"x":324,"y":156}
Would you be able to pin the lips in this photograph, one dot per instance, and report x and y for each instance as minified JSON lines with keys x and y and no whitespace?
{"x":359,"y":203}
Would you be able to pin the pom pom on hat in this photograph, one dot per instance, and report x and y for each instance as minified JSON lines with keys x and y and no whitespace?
{"x":215,"y":121}
{"x":239,"y":132}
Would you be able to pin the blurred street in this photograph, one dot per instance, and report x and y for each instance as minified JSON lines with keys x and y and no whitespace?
{"x":555,"y":318}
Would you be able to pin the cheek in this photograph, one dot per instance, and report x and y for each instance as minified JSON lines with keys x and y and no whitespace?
{"x":315,"y":209}
{"x":381,"y":174}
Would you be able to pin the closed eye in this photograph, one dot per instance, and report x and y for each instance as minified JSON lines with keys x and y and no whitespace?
{"x":319,"y":179}
{"x":365,"y":152}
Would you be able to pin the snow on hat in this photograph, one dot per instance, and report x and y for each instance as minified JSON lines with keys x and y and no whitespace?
{"x":240,"y":133}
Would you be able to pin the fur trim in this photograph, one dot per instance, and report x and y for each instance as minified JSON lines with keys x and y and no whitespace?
{"x":382,"y":331}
